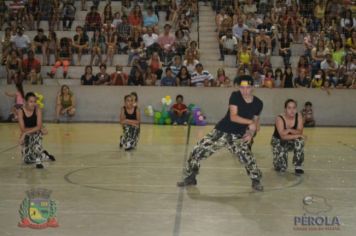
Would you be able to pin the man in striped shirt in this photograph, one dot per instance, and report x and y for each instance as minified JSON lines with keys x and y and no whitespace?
{"x":200,"y":77}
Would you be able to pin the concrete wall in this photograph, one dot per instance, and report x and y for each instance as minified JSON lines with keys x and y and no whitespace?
{"x":102,"y":103}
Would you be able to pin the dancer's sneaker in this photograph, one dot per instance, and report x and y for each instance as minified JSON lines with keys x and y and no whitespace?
{"x":49,"y":156}
{"x":188,"y":181}
{"x":256,"y":185}
{"x":299,"y":170}
{"x":39,"y":166}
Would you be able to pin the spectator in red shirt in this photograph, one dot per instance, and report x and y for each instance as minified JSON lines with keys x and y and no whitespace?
{"x":179,"y":112}
{"x":119,"y":77}
{"x":135,"y":17}
{"x":32,"y":68}
{"x":93,"y":20}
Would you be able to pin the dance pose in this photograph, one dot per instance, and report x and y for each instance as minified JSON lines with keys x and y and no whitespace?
{"x":130,"y":121}
{"x":30,"y":121}
{"x":288,"y":136}
{"x":235,"y":132}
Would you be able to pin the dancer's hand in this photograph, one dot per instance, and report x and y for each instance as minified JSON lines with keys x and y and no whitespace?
{"x":22,"y":139}
{"x":44,"y":131}
{"x":247,"y":137}
{"x":253,"y":127}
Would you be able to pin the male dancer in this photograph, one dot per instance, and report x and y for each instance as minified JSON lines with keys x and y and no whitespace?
{"x":235,"y":131}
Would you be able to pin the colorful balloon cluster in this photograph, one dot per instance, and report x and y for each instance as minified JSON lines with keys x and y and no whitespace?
{"x":39,"y":100}
{"x":197,"y":117}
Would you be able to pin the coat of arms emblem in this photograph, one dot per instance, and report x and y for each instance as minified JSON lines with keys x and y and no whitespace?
{"x":37,"y":210}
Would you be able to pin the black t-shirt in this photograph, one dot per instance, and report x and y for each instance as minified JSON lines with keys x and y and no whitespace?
{"x":304,"y":83}
{"x":245,"y":110}
{"x":40,"y":39}
{"x":135,"y":44}
{"x":86,"y":81}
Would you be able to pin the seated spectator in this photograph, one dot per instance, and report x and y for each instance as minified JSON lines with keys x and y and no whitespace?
{"x":308,"y":116}
{"x":302,"y":81}
{"x":179,"y":112}
{"x":123,"y":33}
{"x":348,"y":67}
{"x":181,"y":41}
{"x":250,"y":7}
{"x":244,"y":58}
{"x":6,"y":45}
{"x":63,"y":58}
{"x":65,"y":103}
{"x":97,"y":45}
{"x":68,"y":16}
{"x":135,"y":46}
{"x":318,"y":80}
{"x":262,"y":36}
{"x":183,"y":77}
{"x":288,"y":81}
{"x":93,"y":20}
{"x":246,"y":40}
{"x":239,"y":28}
{"x":52,"y":46}
{"x":107,"y":14}
{"x":155,"y":65}
{"x":330,"y":67}
{"x":80,"y":43}
{"x":268,"y":80}
{"x":190,"y":62}
{"x":318,"y":54}
{"x":137,"y":79}
{"x":135,"y":17}
{"x":3,"y":13}
{"x":102,"y":78}
{"x":14,"y":68}
{"x":21,"y":41}
{"x":347,"y":23}
{"x":193,"y":49}
{"x":39,"y":44}
{"x":303,"y":64}
{"x":351,"y":42}
{"x":176,"y":65}
{"x":150,"y":77}
{"x":166,"y":42}
{"x":228,"y":45}
{"x":32,"y":69}
{"x":150,"y":19}
{"x":278,"y":78}
{"x":169,"y":79}
{"x":162,"y":5}
{"x":119,"y":77}
{"x":111,"y":46}
{"x":338,"y":53}
{"x":88,"y":78}
{"x":221,"y":79}
{"x":19,"y":96}
{"x":117,"y":20}
{"x":150,"y":41}
{"x":201,"y":78}
{"x":284,"y":50}
{"x":54,"y":15}
{"x":263,"y":54}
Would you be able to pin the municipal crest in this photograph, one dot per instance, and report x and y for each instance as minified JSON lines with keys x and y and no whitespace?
{"x":37,"y":210}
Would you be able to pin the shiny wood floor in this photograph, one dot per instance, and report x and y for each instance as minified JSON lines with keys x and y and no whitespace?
{"x":101,"y":190}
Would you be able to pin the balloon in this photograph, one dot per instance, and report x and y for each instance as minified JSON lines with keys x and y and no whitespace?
{"x":165,"y":115}
{"x":191,"y":106}
{"x":39,"y":100}
{"x":163,"y":101}
{"x":41,"y":105}
{"x":161,"y":121}
{"x":156,"y":121}
{"x":168,"y":121}
{"x":158,"y":115}
{"x":201,"y":118}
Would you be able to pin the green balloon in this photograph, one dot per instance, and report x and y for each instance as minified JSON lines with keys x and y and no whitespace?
{"x":158,"y":115}
{"x":161,"y":121}
{"x":165,"y":115}
{"x":168,"y":121}
{"x":156,"y":121}
{"x":191,"y":106}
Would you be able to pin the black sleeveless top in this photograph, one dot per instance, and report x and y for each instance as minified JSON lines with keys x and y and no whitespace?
{"x":276,"y":134}
{"x":130,"y":116}
{"x":31,"y":121}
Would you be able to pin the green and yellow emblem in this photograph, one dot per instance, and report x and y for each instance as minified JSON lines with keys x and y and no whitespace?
{"x":37,"y":210}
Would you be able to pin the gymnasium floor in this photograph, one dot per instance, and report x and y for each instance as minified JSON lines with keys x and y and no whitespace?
{"x":101,"y":190}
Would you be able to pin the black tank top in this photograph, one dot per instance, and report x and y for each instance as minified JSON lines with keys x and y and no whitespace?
{"x":31,"y":121}
{"x":130,"y":116}
{"x":276,"y":134}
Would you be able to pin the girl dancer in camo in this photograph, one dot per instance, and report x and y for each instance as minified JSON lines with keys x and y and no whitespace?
{"x":235,"y":131}
{"x":288,"y":136}
{"x":30,"y":121}
{"x":130,"y":121}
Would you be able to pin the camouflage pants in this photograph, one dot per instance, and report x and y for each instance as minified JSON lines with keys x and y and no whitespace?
{"x":32,"y":150}
{"x":215,"y":140}
{"x":280,"y":151}
{"x":130,"y":136}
